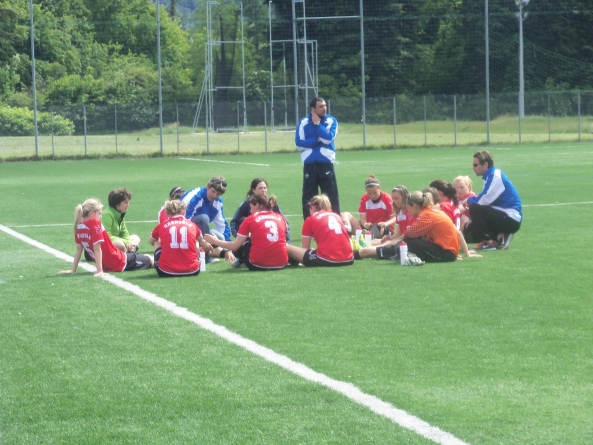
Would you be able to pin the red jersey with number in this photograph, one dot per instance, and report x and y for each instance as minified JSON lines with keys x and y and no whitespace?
{"x":91,"y":232}
{"x":377,"y":211}
{"x":452,"y":211}
{"x":333,"y":242}
{"x":179,"y":254}
{"x":267,"y":231}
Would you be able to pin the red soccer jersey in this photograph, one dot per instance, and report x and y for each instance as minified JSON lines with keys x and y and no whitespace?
{"x":333,"y":242}
{"x":466,"y":207}
{"x":404,"y":220}
{"x":376,"y":211}
{"x":179,"y":254}
{"x":268,"y":239}
{"x":90,"y":232}
{"x":452,"y":211}
{"x":162,"y":215}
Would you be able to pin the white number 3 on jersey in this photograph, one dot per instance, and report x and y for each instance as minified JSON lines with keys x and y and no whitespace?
{"x":273,"y":235}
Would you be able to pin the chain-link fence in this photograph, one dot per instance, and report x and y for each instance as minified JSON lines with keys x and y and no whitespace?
{"x":105,"y":130}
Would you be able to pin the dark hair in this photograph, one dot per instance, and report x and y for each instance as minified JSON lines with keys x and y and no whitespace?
{"x":447,"y":189}
{"x":263,"y":201}
{"x":484,"y":156}
{"x":117,"y":196}
{"x":254,"y":185}
{"x":176,"y":193}
{"x":313,"y":103}
{"x":217,"y":183}
{"x":436,"y":199}
{"x":372,"y":181}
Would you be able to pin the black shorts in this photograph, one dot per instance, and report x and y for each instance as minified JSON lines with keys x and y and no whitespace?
{"x":310,"y":259}
{"x":137,"y":261}
{"x":387,"y":252}
{"x":162,"y":273}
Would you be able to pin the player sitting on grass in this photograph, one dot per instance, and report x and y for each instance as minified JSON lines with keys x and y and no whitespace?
{"x":375,"y":207}
{"x":333,"y":242}
{"x":91,"y":236}
{"x":175,"y":193}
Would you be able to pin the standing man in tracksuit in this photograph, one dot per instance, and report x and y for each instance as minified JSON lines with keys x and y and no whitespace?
{"x":314,"y":138}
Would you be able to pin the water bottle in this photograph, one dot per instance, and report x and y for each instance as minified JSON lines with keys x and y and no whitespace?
{"x":358,"y":233}
{"x":403,"y":253}
{"x":368,"y":237}
{"x":202,"y":260}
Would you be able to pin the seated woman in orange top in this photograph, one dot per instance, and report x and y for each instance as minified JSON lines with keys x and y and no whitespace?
{"x":433,"y":237}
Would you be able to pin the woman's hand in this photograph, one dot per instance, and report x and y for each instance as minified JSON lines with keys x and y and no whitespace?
{"x":229,"y":257}
{"x":100,"y":274}
{"x":211,"y":239}
{"x":63,"y":272}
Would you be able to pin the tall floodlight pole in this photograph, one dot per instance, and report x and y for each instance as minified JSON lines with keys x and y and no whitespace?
{"x":521,"y":4}
{"x":158,"y":52}
{"x":33,"y":77}
{"x":363,"y":81}
{"x":294,"y":57}
{"x":271,"y":66}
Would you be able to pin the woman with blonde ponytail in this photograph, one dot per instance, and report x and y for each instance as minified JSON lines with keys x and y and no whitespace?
{"x":90,"y":236}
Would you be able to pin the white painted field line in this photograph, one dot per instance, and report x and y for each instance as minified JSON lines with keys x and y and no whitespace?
{"x":224,"y":162}
{"x":378,"y":406}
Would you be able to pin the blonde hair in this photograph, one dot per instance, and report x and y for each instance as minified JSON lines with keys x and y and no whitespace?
{"x":83,"y":210}
{"x":322,"y":202}
{"x":464,"y":179}
{"x":422,"y":199}
{"x":174,"y":207}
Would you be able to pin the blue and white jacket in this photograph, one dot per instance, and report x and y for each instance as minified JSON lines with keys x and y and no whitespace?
{"x":197,"y":203}
{"x":499,"y":193}
{"x":316,"y":142}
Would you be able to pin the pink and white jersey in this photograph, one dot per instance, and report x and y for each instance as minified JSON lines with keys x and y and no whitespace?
{"x":333,"y":242}
{"x":91,"y":232}
{"x":376,"y":211}
{"x":452,"y":211}
{"x":404,"y":220}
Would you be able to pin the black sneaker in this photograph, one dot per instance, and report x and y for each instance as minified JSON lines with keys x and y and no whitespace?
{"x":505,"y":240}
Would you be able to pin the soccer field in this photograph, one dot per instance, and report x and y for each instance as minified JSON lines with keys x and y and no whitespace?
{"x":494,"y":350}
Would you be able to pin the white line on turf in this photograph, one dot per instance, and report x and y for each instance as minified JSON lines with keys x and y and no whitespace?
{"x":153,"y":221}
{"x":378,"y":406}
{"x":224,"y":162}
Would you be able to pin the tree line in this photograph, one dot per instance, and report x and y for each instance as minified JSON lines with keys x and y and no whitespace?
{"x":105,"y":51}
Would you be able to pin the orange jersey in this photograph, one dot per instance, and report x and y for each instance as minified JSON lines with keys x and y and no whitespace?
{"x":437,"y":228}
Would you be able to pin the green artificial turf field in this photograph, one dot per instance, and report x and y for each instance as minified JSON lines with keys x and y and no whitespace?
{"x":492,"y":350}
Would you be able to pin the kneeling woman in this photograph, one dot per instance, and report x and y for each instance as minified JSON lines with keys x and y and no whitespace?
{"x":261,"y":238}
{"x":174,"y":242}
{"x":333,"y":242}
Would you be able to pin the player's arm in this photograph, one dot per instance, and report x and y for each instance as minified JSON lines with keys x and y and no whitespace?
{"x":301,"y":139}
{"x":77,"y":256}
{"x":98,"y":259}
{"x":232,"y":245}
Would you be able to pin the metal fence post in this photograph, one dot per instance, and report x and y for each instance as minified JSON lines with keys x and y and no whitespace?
{"x":549,"y":127}
{"x":455,"y":118}
{"x":579,"y":101}
{"x":115,"y":125}
{"x":238,"y":130}
{"x":519,"y":120}
{"x":177,"y":109}
{"x":394,"y":124}
{"x":84,"y":120}
{"x":266,"y":125}
{"x":425,"y":143}
{"x":53,"y":154}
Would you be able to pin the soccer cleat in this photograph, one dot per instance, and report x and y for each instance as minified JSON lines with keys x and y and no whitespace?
{"x":135,"y":248}
{"x":237,"y":263}
{"x":485,"y":245}
{"x":505,"y":240}
{"x":413,"y":260}
{"x":210,"y":260}
{"x":355,"y":245}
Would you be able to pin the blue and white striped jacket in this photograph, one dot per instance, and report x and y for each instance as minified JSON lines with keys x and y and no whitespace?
{"x":316,"y":142}
{"x":499,"y":193}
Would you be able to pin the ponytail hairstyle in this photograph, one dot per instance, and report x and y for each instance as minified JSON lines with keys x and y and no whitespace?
{"x":372,"y":181}
{"x":174,"y":207}
{"x":405,"y":194}
{"x":436,"y":199}
{"x":176,"y":193}
{"x":422,"y":199}
{"x":322,"y":202}
{"x":263,"y":201}
{"x":447,"y":189}
{"x":254,"y":185}
{"x":83,"y":210}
